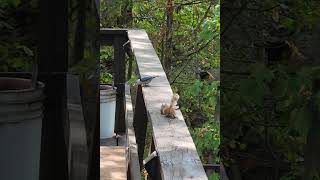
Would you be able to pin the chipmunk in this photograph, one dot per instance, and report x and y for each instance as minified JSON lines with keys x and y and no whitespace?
{"x":170,"y":110}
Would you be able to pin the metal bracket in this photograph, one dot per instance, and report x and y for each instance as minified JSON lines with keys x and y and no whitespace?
{"x":126,"y":43}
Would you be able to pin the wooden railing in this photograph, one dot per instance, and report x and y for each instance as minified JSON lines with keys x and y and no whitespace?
{"x":177,"y":156}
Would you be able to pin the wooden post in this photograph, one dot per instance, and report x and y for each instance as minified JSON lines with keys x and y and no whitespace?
{"x":157,"y":167}
{"x":134,"y":167}
{"x":140,"y":121}
{"x":119,"y":81}
{"x":78,"y":151}
{"x":53,"y":57}
{"x":129,"y":64}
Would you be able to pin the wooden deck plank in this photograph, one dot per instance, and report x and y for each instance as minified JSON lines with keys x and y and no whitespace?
{"x":175,"y":147}
{"x":122,"y":140}
{"x":133,"y":150}
{"x":113,"y":165}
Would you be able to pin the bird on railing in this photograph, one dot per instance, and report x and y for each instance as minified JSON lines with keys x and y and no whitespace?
{"x":144,"y":81}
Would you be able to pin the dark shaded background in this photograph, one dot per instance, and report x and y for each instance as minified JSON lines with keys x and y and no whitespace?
{"x":269,"y":88}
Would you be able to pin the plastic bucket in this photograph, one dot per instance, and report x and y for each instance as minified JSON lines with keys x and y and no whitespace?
{"x":107,"y":111}
{"x":21,"y":113}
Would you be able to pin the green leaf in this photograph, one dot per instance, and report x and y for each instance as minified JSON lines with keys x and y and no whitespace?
{"x":281,"y":87}
{"x":262,"y":73}
{"x":294,"y":86}
{"x":14,"y":3}
{"x":288,"y":23}
{"x":18,"y":63}
{"x":283,"y":105}
{"x":242,"y":146}
{"x":214,"y":176}
{"x":252,"y":91}
{"x":302,"y":120}
{"x":27,"y":51}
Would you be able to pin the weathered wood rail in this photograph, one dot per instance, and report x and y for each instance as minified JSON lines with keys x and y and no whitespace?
{"x":177,"y":154}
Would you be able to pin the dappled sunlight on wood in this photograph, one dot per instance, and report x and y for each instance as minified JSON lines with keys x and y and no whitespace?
{"x":177,"y":152}
{"x":112,"y":163}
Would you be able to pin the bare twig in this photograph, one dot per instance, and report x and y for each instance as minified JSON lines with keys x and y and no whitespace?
{"x":204,"y":16}
{"x":187,"y":63}
{"x":190,"y":3}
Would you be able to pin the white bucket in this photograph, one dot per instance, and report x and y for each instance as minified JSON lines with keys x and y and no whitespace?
{"x":21,"y":113}
{"x":107,"y":111}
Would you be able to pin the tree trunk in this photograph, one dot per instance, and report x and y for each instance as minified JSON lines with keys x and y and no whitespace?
{"x":168,"y":38}
{"x":125,"y":20}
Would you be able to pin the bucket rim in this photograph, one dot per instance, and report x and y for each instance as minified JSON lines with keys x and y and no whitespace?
{"x":107,"y":85}
{"x":40,"y":85}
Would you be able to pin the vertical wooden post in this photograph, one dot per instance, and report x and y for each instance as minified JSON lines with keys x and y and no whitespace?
{"x":119,"y":81}
{"x":78,"y":150}
{"x":157,"y":166}
{"x":129,"y":65}
{"x":53,"y":57}
{"x":140,"y":121}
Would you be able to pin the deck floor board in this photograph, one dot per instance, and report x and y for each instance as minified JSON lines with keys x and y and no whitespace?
{"x":113,"y":164}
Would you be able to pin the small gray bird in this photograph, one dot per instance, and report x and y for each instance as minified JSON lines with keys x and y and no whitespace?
{"x":144,"y":81}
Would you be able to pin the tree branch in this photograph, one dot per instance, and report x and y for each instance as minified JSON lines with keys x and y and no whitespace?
{"x":204,"y":16}
{"x":242,"y":8}
{"x":189,"y":3}
{"x":187,"y":63}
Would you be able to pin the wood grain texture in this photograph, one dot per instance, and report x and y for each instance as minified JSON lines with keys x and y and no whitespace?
{"x":77,"y":146}
{"x":133,"y":149}
{"x":175,"y":147}
{"x":113,"y":165}
{"x":140,"y":122}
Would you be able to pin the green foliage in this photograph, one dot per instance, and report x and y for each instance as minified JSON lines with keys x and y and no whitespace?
{"x":196,"y":45}
{"x":133,"y":80}
{"x":10,"y":3}
{"x":106,"y":56}
{"x":110,"y":12}
{"x":199,"y":96}
{"x":113,"y":13}
{"x":17,"y":42}
{"x":194,"y":27}
{"x":214,"y":176}
{"x":301,"y":14}
{"x":207,"y":141}
{"x":273,"y":96}
{"x":211,"y":26}
{"x":105,"y":78}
